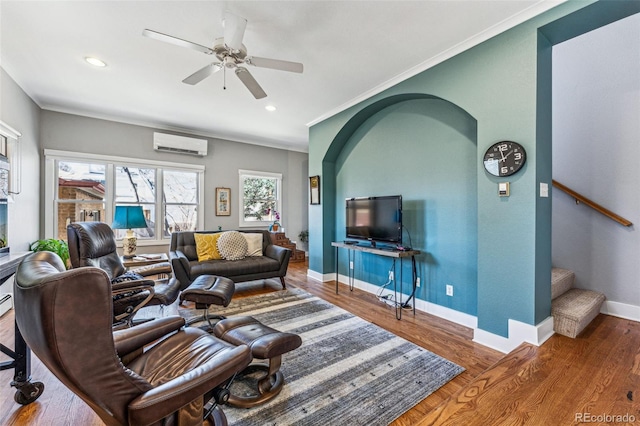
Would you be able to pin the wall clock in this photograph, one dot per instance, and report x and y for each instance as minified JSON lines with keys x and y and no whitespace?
{"x":504,"y":158}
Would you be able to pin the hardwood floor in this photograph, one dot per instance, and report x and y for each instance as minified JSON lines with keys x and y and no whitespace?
{"x":596,"y":374}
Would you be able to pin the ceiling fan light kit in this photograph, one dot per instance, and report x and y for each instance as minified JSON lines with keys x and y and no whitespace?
{"x":231,"y":54}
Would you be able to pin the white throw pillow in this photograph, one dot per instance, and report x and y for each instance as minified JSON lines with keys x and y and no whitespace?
{"x":254,"y":244}
{"x":232,"y":245}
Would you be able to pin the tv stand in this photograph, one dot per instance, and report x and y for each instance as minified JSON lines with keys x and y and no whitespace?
{"x":387,"y":252}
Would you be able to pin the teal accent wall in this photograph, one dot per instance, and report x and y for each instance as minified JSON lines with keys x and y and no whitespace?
{"x":438,"y":185}
{"x":504,"y":85}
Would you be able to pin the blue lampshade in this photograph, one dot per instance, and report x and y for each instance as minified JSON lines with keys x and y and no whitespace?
{"x":129,"y":217}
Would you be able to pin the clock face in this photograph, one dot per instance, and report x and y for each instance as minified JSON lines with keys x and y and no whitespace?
{"x":504,"y":158}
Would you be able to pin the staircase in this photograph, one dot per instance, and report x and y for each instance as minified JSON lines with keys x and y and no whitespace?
{"x":572,"y":308}
{"x":280,"y":239}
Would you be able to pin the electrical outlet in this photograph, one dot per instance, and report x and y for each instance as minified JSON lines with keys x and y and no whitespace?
{"x":390,"y":275}
{"x":449,"y":290}
{"x":418,"y":282}
{"x":351,"y":264}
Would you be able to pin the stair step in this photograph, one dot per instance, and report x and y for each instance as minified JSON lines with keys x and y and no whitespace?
{"x":297,"y":256}
{"x":574,"y":310}
{"x":561,"y":281}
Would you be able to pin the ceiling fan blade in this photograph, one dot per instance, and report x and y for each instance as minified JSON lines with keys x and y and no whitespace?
{"x":177,"y":41}
{"x":234,"y":27}
{"x":275,"y":64}
{"x":247,"y":79}
{"x":203,"y":73}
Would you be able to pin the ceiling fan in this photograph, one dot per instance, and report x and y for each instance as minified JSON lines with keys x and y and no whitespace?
{"x":231,"y":54}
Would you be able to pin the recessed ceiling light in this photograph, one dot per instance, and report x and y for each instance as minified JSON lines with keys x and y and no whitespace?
{"x":270,"y":108}
{"x":95,"y":61}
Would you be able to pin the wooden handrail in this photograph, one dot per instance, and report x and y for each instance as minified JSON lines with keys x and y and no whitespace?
{"x":597,"y":207}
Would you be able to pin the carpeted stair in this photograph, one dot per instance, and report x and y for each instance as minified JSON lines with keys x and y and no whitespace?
{"x":572,"y":308}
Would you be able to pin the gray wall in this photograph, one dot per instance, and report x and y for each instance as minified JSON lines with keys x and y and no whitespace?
{"x":20,"y":112}
{"x":596,"y":134}
{"x":76,"y":133}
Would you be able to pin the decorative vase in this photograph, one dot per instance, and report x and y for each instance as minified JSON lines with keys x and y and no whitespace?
{"x":275,"y":227}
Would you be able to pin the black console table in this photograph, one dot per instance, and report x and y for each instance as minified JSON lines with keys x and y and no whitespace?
{"x":387,"y":252}
{"x":26,"y":392}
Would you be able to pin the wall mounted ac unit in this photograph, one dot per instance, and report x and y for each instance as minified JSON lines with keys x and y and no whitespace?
{"x":179,"y":144}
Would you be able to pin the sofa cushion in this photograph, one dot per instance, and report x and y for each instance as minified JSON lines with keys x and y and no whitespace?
{"x":232,"y":268}
{"x":207,"y":246}
{"x":232,"y":245}
{"x":254,"y":244}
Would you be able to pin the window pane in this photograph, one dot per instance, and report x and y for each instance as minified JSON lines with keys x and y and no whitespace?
{"x":180,"y":187}
{"x":135,"y":185}
{"x":180,"y":218}
{"x":259,"y":198}
{"x":80,"y":181}
{"x":84,"y":211}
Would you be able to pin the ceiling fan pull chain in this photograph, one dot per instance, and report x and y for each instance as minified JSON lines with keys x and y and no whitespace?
{"x":224,"y":78}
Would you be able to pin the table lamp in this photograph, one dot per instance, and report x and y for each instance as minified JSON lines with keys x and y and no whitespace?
{"x":129,"y":217}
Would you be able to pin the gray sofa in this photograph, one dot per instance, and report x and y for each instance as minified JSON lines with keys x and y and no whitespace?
{"x":186,"y":267}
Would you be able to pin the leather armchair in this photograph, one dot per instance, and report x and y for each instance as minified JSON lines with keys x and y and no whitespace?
{"x":65,"y":318}
{"x":93,"y":244}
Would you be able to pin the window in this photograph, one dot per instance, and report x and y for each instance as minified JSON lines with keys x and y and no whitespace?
{"x":260,"y":197}
{"x":88,"y":187}
{"x":180,"y":200}
{"x":137,"y":186}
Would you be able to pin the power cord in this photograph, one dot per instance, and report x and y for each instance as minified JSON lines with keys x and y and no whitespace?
{"x":387,"y":297}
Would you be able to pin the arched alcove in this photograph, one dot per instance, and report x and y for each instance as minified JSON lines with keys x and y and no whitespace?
{"x":424,"y":148}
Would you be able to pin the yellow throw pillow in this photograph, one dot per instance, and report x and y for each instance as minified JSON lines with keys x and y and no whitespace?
{"x":207,"y":246}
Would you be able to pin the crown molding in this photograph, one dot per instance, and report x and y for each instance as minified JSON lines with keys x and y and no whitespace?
{"x":513,"y":21}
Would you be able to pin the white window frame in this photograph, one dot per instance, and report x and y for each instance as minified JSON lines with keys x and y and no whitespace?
{"x":51,"y":188}
{"x":242,"y":174}
{"x":15,"y":158}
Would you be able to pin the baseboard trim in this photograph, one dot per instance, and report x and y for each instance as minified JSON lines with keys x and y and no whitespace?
{"x":621,"y":310}
{"x":421,"y":305}
{"x":6,"y":303}
{"x":322,"y":278}
{"x":519,"y":332}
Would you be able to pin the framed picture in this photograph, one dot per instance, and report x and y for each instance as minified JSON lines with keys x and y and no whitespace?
{"x":223,"y":202}
{"x":314,"y":189}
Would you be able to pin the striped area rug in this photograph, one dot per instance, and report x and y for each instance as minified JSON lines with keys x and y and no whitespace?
{"x":347,"y":371}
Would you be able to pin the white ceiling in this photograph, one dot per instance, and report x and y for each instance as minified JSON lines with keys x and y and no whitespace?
{"x":350,"y":50}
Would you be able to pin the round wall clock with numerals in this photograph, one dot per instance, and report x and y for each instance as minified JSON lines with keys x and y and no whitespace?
{"x":504,"y":158}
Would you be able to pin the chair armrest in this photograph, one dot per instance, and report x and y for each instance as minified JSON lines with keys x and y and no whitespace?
{"x":278,"y":253}
{"x":126,"y":286}
{"x":154,"y":269}
{"x":129,"y":339}
{"x":159,"y":402}
{"x":181,"y":268}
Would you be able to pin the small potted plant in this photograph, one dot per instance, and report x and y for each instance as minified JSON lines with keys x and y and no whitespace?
{"x":59,"y":247}
{"x":304,"y":237}
{"x":276,"y":223}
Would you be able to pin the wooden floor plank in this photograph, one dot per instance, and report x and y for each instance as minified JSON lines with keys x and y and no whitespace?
{"x":532,"y":385}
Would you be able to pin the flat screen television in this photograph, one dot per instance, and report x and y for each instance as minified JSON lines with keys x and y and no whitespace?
{"x":376,"y":219}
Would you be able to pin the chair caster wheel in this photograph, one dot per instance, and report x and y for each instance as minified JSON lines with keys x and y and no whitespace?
{"x":221,"y":396}
{"x":28,"y":393}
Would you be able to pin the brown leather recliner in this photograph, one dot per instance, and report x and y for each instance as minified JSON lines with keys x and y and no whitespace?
{"x":65,"y":318}
{"x":93,"y":244}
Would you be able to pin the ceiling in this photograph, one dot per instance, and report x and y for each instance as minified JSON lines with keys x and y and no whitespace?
{"x":350,"y":51}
